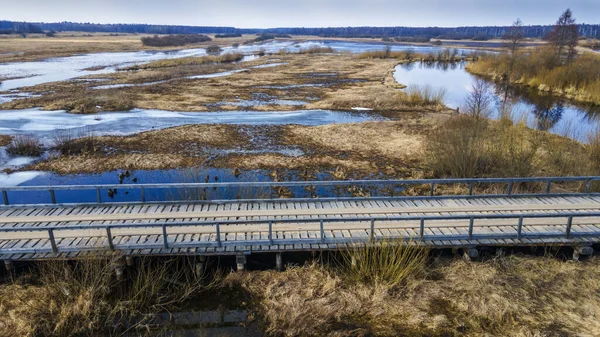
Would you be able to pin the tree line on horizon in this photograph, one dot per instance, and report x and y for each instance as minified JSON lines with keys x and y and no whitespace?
{"x":536,"y":31}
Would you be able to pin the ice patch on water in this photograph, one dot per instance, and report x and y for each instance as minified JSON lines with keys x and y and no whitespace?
{"x":17,"y":178}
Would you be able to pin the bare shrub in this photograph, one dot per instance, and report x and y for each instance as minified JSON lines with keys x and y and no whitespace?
{"x":479,"y":101}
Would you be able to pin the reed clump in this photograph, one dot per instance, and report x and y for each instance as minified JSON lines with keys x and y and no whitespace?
{"x":425,"y":96}
{"x":385,"y":262}
{"x":193,"y":61}
{"x":24,"y":145}
{"x":69,"y":143}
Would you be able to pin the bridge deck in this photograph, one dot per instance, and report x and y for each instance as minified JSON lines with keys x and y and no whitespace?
{"x":243,"y":227}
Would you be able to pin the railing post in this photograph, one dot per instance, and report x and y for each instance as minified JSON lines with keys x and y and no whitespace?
{"x":372,"y":233}
{"x":471,"y":224}
{"x":432,"y":189}
{"x":520,"y":228}
{"x":271,"y":232}
{"x":5,"y":197}
{"x":588,"y":186}
{"x":422,"y":229}
{"x":53,"y":197}
{"x":52,"y":241}
{"x":143,"y":191}
{"x":219,"y":244}
{"x":322,"y":230}
{"x":110,"y":238}
{"x":470,"y":188}
{"x":569,"y":225}
{"x":548,"y":184}
{"x":98,"y":195}
{"x":509,"y":189}
{"x":165,"y":241}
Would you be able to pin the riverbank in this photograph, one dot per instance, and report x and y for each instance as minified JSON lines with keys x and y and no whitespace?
{"x":515,"y":295}
{"x":541,"y":69}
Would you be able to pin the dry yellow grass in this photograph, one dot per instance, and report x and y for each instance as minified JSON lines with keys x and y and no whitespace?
{"x":5,"y":140}
{"x":511,"y":296}
{"x":393,"y":147}
{"x":36,"y":47}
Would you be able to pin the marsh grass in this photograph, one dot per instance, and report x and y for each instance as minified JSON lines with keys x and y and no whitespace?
{"x":467,"y":146}
{"x":187,"y":61}
{"x":317,"y":50}
{"x":24,"y":145}
{"x":386,"y":262}
{"x":83,"y":298}
{"x":70,"y":143}
{"x":544,"y":70}
{"x":425,"y":95}
{"x":505,"y":296}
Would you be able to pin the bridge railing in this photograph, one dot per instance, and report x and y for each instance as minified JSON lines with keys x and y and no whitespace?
{"x":465,"y":227}
{"x":399,"y":185}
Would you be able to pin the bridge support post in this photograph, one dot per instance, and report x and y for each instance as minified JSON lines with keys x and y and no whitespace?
{"x":200,"y":267}
{"x":279,"y":261}
{"x":582,"y":251}
{"x":240,"y":262}
{"x":8,"y":264}
{"x":470,"y":253}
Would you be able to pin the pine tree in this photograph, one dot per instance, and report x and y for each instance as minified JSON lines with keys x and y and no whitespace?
{"x":565,"y":34}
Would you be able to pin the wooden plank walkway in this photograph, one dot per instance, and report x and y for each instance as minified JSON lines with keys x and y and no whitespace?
{"x":36,"y":232}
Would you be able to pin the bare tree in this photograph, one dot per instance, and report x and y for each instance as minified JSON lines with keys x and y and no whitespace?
{"x":514,"y":36}
{"x":565,"y":35}
{"x":479,"y":101}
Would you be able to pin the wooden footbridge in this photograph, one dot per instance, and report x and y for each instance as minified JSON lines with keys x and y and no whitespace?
{"x":553,"y":215}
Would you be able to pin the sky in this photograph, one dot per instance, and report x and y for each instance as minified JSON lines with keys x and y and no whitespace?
{"x":301,"y":13}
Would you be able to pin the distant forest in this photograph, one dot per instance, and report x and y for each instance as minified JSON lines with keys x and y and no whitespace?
{"x":9,"y":27}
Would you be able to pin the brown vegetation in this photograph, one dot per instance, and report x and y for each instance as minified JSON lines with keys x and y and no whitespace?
{"x":24,"y":145}
{"x":467,"y":146}
{"x":174,"y":40}
{"x":394,"y":148}
{"x":510,"y":296}
{"x":190,"y":61}
{"x":5,"y":140}
{"x":543,"y":69}
{"x":83,"y":298}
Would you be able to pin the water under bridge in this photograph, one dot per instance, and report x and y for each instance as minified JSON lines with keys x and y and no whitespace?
{"x":449,"y":213}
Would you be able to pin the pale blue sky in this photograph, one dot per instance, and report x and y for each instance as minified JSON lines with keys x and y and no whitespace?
{"x":300,"y":13}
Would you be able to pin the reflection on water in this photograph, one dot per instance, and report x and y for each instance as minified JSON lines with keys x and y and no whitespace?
{"x":539,"y":110}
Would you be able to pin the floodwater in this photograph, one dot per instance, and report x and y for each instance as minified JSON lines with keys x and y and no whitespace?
{"x":196,"y":175}
{"x":43,"y":124}
{"x":24,"y":74}
{"x":545,"y":112}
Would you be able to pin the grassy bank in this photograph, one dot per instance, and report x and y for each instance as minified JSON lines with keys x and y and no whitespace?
{"x":437,"y":296}
{"x":541,"y":68}
{"x":510,"y":296}
{"x":466,"y":146}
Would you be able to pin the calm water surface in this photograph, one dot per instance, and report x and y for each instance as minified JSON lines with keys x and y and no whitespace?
{"x":543,"y":112}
